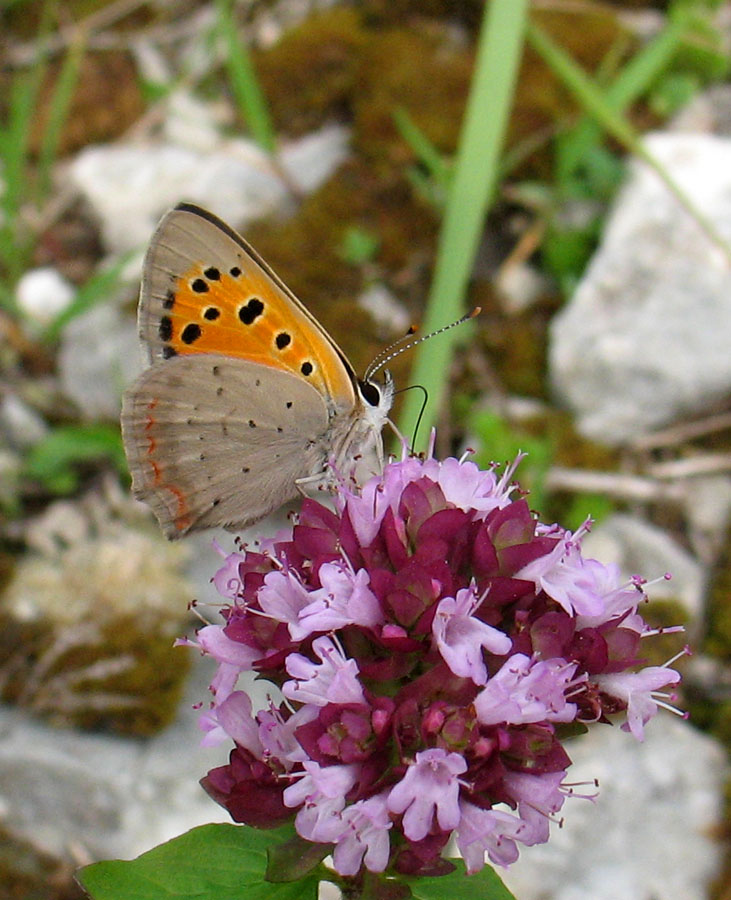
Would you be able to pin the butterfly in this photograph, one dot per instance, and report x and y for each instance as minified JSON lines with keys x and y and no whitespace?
{"x":247,"y":398}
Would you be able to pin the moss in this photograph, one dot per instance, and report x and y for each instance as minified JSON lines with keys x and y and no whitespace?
{"x":709,"y":708}
{"x":86,"y":632}
{"x":423,"y":71}
{"x":408,"y":12}
{"x":334,"y":66}
{"x":114,"y":678}
{"x":311,"y":74}
{"x":305,"y":250}
{"x":26,"y":873}
{"x":718,"y":640}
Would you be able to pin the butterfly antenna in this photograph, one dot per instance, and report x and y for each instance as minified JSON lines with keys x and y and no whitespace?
{"x":398,"y":347}
{"x":375,"y":363}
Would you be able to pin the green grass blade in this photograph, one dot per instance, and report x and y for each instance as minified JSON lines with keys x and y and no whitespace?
{"x":14,"y":149}
{"x":472,"y":186}
{"x":631,"y":83}
{"x":58,"y":111}
{"x":423,"y":149}
{"x":97,"y":289}
{"x":244,"y":83}
{"x":594,"y":102}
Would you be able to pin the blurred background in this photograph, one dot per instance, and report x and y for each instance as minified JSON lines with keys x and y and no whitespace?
{"x":593,"y":228}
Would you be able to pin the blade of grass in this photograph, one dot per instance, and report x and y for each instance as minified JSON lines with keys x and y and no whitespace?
{"x":96,"y":289}
{"x":244,"y":83}
{"x":592,"y":99}
{"x":423,"y":149}
{"x":630,"y":84}
{"x":472,"y":186}
{"x":14,"y":149}
{"x":58,"y":111}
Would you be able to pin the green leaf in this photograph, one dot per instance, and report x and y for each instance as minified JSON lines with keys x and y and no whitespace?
{"x":53,"y":459}
{"x":213,"y":862}
{"x":359,"y":245}
{"x":294,"y":858}
{"x":483,"y":885}
{"x":60,"y":103}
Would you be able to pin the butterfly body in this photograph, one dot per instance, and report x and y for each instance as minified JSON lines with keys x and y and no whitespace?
{"x":247,"y":397}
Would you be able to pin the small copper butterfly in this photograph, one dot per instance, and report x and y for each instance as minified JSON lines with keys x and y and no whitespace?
{"x":247,"y":397}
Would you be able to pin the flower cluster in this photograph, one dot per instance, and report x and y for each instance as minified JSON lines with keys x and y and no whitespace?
{"x":433,"y":643}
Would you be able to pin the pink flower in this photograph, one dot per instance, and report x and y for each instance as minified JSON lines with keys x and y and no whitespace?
{"x":360,"y":835}
{"x":491,"y":831}
{"x":334,"y":681}
{"x":283,"y":596}
{"x":233,"y":718}
{"x":429,"y":789}
{"x":525,"y":690}
{"x":539,"y":797}
{"x":344,"y":599}
{"x":429,"y":636}
{"x":460,"y":636}
{"x":639,"y":690}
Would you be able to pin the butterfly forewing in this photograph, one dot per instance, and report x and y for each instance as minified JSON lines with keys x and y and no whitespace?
{"x":204,"y":290}
{"x":211,"y":442}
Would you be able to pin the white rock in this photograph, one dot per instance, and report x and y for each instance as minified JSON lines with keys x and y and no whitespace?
{"x":20,"y":425}
{"x":191,"y":123}
{"x":520,"y":285}
{"x":310,"y":160}
{"x":645,"y":339}
{"x":385,"y":309}
{"x":648,"y":835}
{"x":639,"y":548}
{"x":110,"y":796}
{"x":99,"y":356}
{"x":150,"y":62}
{"x":130,"y":187}
{"x":43,"y":293}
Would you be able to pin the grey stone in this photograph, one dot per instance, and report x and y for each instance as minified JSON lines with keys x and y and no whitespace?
{"x":649,"y":833}
{"x":644,"y":341}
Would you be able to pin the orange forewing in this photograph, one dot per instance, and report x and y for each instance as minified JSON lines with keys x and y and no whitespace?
{"x":206,"y":291}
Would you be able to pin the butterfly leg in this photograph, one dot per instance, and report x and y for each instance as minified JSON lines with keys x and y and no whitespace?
{"x":307,"y":480}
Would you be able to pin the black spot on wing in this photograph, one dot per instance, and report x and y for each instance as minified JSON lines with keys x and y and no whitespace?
{"x":199,"y":286}
{"x":191,"y":333}
{"x":165,"y":328}
{"x":251,"y":311}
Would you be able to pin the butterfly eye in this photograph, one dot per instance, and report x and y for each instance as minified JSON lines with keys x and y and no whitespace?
{"x":370,"y":392}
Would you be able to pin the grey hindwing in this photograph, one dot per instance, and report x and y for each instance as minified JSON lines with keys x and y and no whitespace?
{"x":217,"y":441}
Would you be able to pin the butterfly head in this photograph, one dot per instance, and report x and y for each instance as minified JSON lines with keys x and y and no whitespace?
{"x":376,"y":395}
